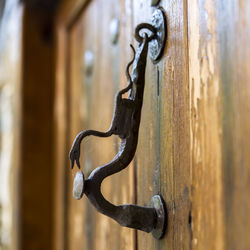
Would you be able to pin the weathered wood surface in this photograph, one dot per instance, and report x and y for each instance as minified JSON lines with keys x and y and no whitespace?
{"x":206,"y":127}
{"x":89,"y":105}
{"x":163,"y":151}
{"x":234,"y":49}
{"x":194,"y":135}
{"x":11,"y":17}
{"x":220,"y":123}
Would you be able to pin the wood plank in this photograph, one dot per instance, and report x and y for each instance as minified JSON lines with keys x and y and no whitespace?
{"x":207,"y":207}
{"x":106,"y":233}
{"x":163,"y":150}
{"x":146,"y":155}
{"x":60,"y":129}
{"x":193,"y":144}
{"x":11,"y":26}
{"x":233,"y":27}
{"x":91,"y":106}
{"x":36,"y":136}
{"x":207,"y":227}
{"x":218,"y":55}
{"x":175,"y":130}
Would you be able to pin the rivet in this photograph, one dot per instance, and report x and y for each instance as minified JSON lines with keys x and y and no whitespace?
{"x":88,"y":62}
{"x":114,"y":30}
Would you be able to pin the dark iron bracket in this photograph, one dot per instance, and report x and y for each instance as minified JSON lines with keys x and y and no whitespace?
{"x":125,"y":124}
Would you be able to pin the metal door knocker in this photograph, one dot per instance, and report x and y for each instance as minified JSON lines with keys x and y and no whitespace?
{"x":125,"y":124}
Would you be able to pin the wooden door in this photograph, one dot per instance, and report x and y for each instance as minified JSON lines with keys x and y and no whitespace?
{"x":90,"y":94}
{"x":193,"y":146}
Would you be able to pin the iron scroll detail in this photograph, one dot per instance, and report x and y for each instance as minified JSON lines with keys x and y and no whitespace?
{"x":125,"y":124}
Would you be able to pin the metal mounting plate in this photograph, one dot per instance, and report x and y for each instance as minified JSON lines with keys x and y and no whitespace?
{"x":156,"y":46}
{"x":158,"y":204}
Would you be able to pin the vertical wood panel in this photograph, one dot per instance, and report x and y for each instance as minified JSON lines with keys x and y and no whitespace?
{"x":204,"y":68}
{"x":75,"y":214}
{"x":11,"y":26}
{"x":37,"y":138}
{"x":163,"y":149}
{"x":234,"y":35}
{"x":175,"y":130}
{"x":60,"y":127}
{"x":146,"y":156}
{"x":194,"y":135}
{"x":91,"y":107}
{"x":218,"y":59}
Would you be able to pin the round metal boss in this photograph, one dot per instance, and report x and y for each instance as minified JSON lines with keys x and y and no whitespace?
{"x":158,"y":204}
{"x":78,"y":185}
{"x":156,"y":46}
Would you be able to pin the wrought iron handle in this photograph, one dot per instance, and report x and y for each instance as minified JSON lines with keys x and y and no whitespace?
{"x":125,"y":124}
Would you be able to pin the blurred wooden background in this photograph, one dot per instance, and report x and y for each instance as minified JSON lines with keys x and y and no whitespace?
{"x":194,"y":143}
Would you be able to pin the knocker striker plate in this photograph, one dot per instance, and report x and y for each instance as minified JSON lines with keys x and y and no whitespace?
{"x":156,"y":46}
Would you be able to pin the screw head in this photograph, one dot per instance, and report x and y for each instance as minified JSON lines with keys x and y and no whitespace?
{"x":78,"y":185}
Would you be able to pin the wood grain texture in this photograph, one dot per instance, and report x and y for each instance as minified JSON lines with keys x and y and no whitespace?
{"x":194,"y":135}
{"x":206,"y":127}
{"x":90,"y":105}
{"x":60,"y":129}
{"x":11,"y":25}
{"x":36,"y":132}
{"x":163,"y":151}
{"x":146,"y":155}
{"x":234,"y":37}
{"x":218,"y":55}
